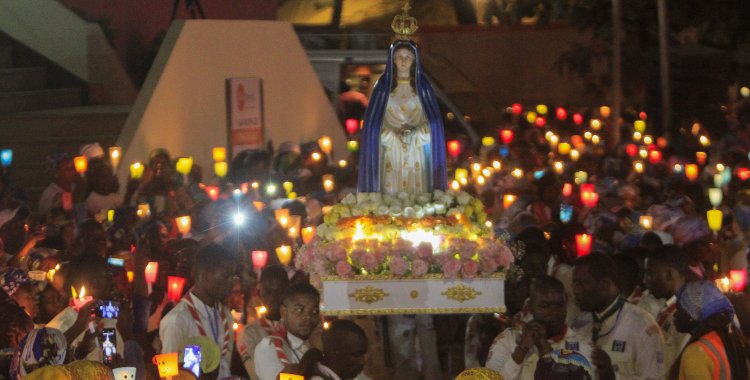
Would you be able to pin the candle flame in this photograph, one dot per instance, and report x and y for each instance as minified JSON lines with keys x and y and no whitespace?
{"x":82,"y":293}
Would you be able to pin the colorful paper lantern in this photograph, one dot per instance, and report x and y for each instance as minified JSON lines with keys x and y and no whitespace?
{"x":561,"y":113}
{"x":136,"y":170}
{"x":540,"y":121}
{"x":567,"y":189}
{"x":646,"y":221}
{"x":738,"y":279}
{"x":144,"y":210}
{"x":81,"y":164}
{"x":516,"y":108}
{"x":175,"y":285}
{"x":284,"y":253}
{"x":604,"y":111}
{"x":115,"y":154}
{"x":583,"y":244}
{"x":743,"y":174}
{"x":563,"y":148}
{"x":152,"y":269}
{"x":294,"y":226}
{"x":352,"y":145}
{"x":700,"y":157}
{"x":691,"y":172}
{"x":325,"y":144}
{"x":6,"y":157}
{"x":639,"y":126}
{"x":595,"y":124}
{"x":454,"y":148}
{"x":577,"y":118}
{"x":184,"y":165}
{"x":566,"y":213}
{"x":183,"y":224}
{"x":508,"y":200}
{"x":219,"y":153}
{"x":506,"y":135}
{"x":714,"y":219}
{"x":167,"y":364}
{"x":260,"y":259}
{"x":282,"y":216}
{"x":213,"y":192}
{"x":715,"y":196}
{"x":221,"y":169}
{"x":654,"y":156}
{"x":308,"y":233}
{"x":541,"y":109}
{"x":351,"y":125}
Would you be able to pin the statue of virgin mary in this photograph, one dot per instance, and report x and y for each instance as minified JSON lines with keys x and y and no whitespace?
{"x":402,"y":146}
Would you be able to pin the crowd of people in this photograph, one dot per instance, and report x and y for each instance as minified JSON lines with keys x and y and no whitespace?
{"x":78,"y":302}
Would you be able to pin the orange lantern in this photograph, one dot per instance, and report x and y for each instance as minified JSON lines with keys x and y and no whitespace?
{"x":308,"y":233}
{"x":167,"y":364}
{"x":691,"y":171}
{"x":583,"y":244}
{"x":183,"y":224}
{"x":174,"y":288}
{"x":81,"y":163}
{"x":284,"y":253}
{"x":213,"y":192}
{"x":508,"y":200}
{"x":743,"y":174}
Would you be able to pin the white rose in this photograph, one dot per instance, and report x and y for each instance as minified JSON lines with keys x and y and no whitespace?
{"x":439,"y":208}
{"x":387,"y":198}
{"x":429,"y":209}
{"x":419,"y":214}
{"x":454,"y":211}
{"x":409,"y":212}
{"x":349,"y":200}
{"x":382,"y":210}
{"x":438,"y":193}
{"x":345,"y":213}
{"x":424,"y":198}
{"x":376,"y":198}
{"x":361,"y":197}
{"x":358,"y":212}
{"x":463,"y":198}
{"x":395,"y":210}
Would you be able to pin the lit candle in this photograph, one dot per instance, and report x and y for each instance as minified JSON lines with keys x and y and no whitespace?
{"x":80,"y":299}
{"x":81,"y":163}
{"x":638,"y":167}
{"x":567,"y":190}
{"x":595,"y":124}
{"x":136,"y":170}
{"x":259,"y":258}
{"x":144,"y":210}
{"x":646,"y":221}
{"x":175,"y":285}
{"x":184,"y":165}
{"x":738,"y":279}
{"x":308,"y":233}
{"x":167,"y":364}
{"x":294,"y":226}
{"x":574,"y":155}
{"x":219,"y":153}
{"x":517,"y":173}
{"x":152,"y":269}
{"x":583,"y":244}
{"x":221,"y":168}
{"x":724,"y":284}
{"x":115,"y":154}
{"x":328,"y":183}
{"x":51,"y":273}
{"x":508,"y":200}
{"x":282,"y":216}
{"x":342,"y":163}
{"x":691,"y":171}
{"x":559,"y":167}
{"x":284,"y":253}
{"x":715,"y":196}
{"x":714,"y":219}
{"x":325,"y":144}
{"x":183,"y":225}
{"x":131,"y":276}
{"x":455,"y":185}
{"x":507,"y":136}
{"x":461,"y":173}
{"x":260,"y":311}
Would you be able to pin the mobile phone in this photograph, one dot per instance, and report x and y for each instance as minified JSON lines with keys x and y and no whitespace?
{"x":108,"y":342}
{"x":108,"y":309}
{"x":191,"y":359}
{"x":117,"y":262}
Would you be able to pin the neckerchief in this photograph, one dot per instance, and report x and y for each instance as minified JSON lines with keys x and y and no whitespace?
{"x":269,"y":326}
{"x":596,"y":329}
{"x":191,"y":308}
{"x":278,"y":339}
{"x":669,"y":310}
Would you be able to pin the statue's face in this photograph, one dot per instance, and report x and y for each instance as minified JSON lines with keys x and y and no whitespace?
{"x":403,"y":58}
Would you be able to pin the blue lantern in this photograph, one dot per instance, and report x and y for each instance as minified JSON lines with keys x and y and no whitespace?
{"x":566,"y":213}
{"x":6,"y":157}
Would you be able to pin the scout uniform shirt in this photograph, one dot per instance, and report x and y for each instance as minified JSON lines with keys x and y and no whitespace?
{"x":499,"y":358}
{"x":629,"y":335}
{"x":674,"y":341}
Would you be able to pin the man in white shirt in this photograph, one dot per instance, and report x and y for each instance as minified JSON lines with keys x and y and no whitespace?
{"x":273,"y":283}
{"x":517,"y":351}
{"x":64,"y":178}
{"x":627,"y":341}
{"x":665,"y":275}
{"x":300,"y":313}
{"x":201,"y":312}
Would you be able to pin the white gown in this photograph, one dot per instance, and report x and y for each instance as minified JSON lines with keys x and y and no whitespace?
{"x":404,"y":161}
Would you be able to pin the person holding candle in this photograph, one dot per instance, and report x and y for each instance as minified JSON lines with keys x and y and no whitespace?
{"x":665,"y":275}
{"x":201,"y":311}
{"x":64,"y":180}
{"x":273,"y":283}
{"x":528,"y":351}
{"x":102,"y":188}
{"x":282,"y":352}
{"x":627,"y":341}
{"x":716,"y":349}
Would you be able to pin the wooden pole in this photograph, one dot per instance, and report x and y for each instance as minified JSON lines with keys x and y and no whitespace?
{"x":616,"y":73}
{"x":666,"y":95}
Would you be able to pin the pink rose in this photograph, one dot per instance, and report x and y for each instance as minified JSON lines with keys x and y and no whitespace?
{"x":424,"y":250}
{"x":451,"y":268}
{"x":369,"y":262}
{"x":336,"y":252}
{"x":469,"y":269}
{"x":343,"y":269}
{"x":321,"y":267}
{"x":466,"y":249}
{"x":357,"y":255}
{"x":505,"y":257}
{"x":419,"y":267}
{"x":398,"y":266}
{"x":487,"y":264}
{"x":381,"y":252}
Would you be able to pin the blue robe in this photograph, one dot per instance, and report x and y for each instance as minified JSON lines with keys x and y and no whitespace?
{"x":369,"y":155}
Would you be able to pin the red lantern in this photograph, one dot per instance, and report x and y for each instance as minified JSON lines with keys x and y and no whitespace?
{"x":743,"y":173}
{"x":352,"y":125}
{"x":577,"y":118}
{"x":738,"y":280}
{"x":454,"y":148}
{"x":654,"y":156}
{"x":540,"y":121}
{"x":561,"y":113}
{"x":260,"y":258}
{"x":174,"y":289}
{"x":213,"y":192}
{"x":642,"y":116}
{"x":583,"y":244}
{"x":152,"y":269}
{"x":589,"y":197}
{"x":567,"y":190}
{"x":507,"y":136}
{"x":631,"y":150}
{"x":516,"y":108}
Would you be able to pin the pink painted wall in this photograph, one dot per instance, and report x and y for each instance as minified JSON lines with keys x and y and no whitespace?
{"x":138,"y":22}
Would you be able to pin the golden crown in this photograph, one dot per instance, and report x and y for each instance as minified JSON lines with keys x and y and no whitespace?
{"x":403,"y":24}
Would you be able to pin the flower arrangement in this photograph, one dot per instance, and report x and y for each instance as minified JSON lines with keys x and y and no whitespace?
{"x":406,"y":236}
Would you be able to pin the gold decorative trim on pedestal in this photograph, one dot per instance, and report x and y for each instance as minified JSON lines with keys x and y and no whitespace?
{"x":390,"y":277}
{"x":461,"y":293}
{"x":431,"y":310}
{"x":369,"y":294}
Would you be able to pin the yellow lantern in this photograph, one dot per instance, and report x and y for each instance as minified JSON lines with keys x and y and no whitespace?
{"x":604,"y":111}
{"x":308,"y":233}
{"x":294,"y":226}
{"x":646,"y":221}
{"x":648,"y":139}
{"x":115,"y":154}
{"x":325,"y":144}
{"x":221,"y":168}
{"x":639,"y":126}
{"x":144,"y":210}
{"x":461,"y":173}
{"x":219,"y":153}
{"x":705,"y":141}
{"x":508,"y":200}
{"x":288,"y":186}
{"x":352,"y":145}
{"x":282,"y":216}
{"x":541,"y":109}
{"x":488,"y":141}
{"x":342,"y":163}
{"x":328,"y":183}
{"x":531,"y":117}
{"x":563,"y":148}
{"x":110,"y":215}
{"x":183,"y":224}
{"x":284,"y":253}
{"x":595,"y":139}
{"x":81,"y":164}
{"x":184,"y":165}
{"x":290,"y":376}
{"x":714,"y":219}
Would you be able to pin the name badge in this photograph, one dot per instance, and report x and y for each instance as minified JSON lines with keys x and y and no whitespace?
{"x":618,"y":346}
{"x":571,"y":346}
